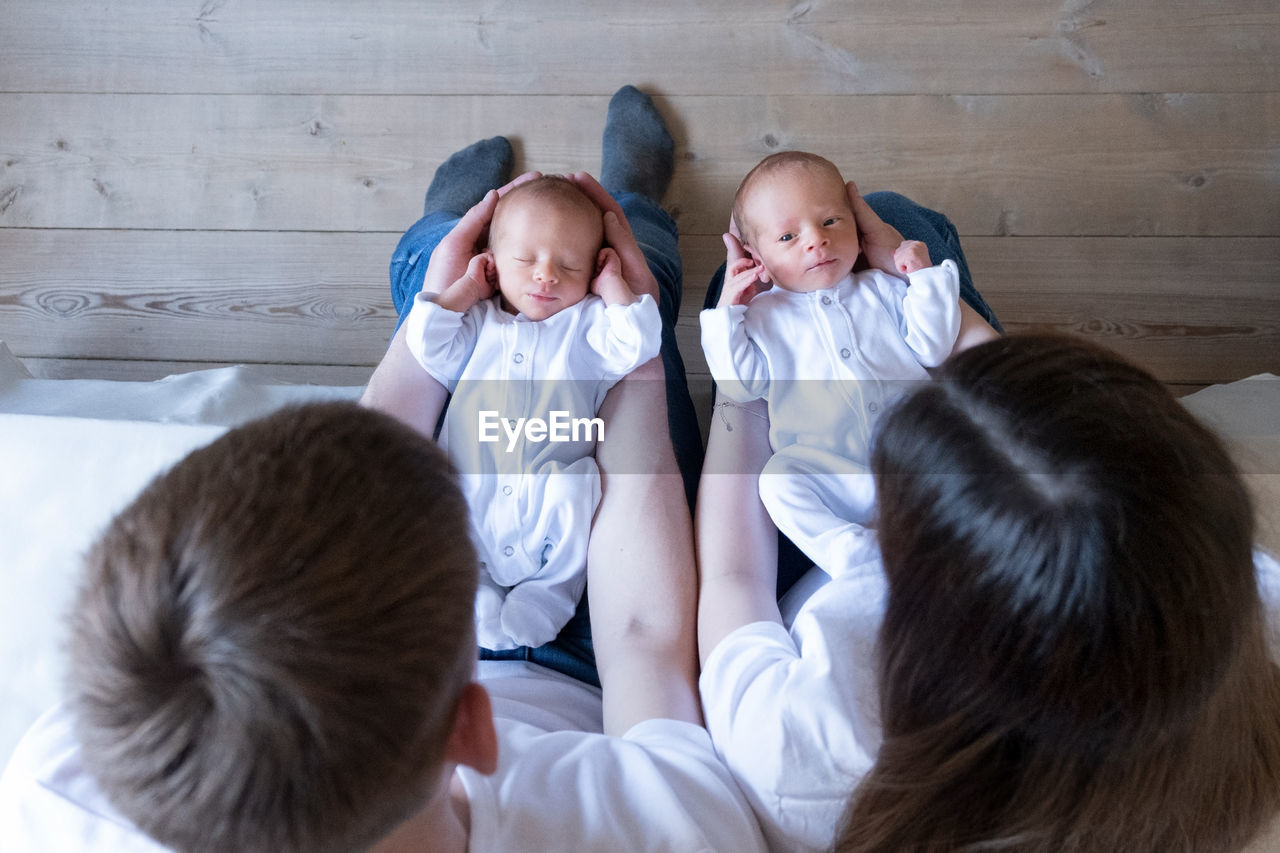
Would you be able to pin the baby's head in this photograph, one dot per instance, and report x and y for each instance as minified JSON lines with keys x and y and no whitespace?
{"x":793,"y":215}
{"x":545,"y":238}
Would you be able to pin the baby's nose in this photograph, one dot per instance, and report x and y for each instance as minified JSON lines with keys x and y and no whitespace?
{"x":544,"y":273}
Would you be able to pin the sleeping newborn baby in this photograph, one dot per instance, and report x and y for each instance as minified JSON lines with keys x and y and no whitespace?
{"x":528,"y":342}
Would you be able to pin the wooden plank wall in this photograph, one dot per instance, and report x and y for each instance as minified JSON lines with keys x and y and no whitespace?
{"x":187,"y":184}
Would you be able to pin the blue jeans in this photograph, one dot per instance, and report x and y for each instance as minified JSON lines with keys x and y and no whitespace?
{"x":914,"y":222}
{"x":572,"y":651}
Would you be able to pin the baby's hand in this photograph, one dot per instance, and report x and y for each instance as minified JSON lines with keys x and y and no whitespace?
{"x":741,"y":280}
{"x":743,"y":274}
{"x":479,"y":282}
{"x":609,"y":284}
{"x":912,"y":255}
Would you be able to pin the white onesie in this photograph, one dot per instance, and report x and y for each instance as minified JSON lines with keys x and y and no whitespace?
{"x":521,"y":429}
{"x":829,"y":362}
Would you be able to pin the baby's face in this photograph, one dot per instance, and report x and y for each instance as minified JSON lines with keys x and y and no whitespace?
{"x":802,"y":228}
{"x":545,"y":251}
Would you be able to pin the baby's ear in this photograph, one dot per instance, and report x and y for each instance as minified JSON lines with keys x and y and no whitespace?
{"x":490,"y":267}
{"x":755,"y":256}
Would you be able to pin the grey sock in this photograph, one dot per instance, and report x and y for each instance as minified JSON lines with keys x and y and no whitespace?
{"x":462,"y":180}
{"x":639,"y":154}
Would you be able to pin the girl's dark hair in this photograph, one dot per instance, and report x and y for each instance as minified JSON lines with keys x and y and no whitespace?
{"x":1073,"y":652}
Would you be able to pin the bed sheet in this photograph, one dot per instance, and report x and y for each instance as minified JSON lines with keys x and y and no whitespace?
{"x":72,"y":453}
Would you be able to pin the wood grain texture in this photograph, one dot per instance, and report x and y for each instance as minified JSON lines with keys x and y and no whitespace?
{"x":1194,"y":310}
{"x":149,"y":371}
{"x":218,"y":181}
{"x":711,"y":46}
{"x":197,"y":296}
{"x":1134,"y":165}
{"x":1142,"y":165}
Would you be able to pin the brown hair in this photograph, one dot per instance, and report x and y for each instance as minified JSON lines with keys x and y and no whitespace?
{"x":554,"y":190}
{"x":269,"y":643}
{"x":770,"y":165}
{"x":1073,"y":654}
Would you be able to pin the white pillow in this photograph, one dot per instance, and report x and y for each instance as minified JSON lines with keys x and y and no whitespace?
{"x":1247,"y":416}
{"x":72,"y":454}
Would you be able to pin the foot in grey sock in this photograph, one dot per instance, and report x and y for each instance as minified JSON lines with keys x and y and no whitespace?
{"x":639,"y":154}
{"x":463,"y":179}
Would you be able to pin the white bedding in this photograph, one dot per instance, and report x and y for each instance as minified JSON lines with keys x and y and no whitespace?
{"x":72,"y":452}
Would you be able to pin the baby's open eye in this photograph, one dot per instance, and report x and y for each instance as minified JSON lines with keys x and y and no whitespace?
{"x":832,"y":220}
{"x":786,"y":238}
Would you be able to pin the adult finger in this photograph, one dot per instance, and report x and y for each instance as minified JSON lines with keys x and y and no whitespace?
{"x":522,"y":178}
{"x":622,"y":237}
{"x":597,"y":193}
{"x":635,"y":269}
{"x":468,"y":230}
{"x":451,"y":255}
{"x":466,"y":235}
{"x":733,"y":247}
{"x":869,"y":222}
{"x":618,"y":234}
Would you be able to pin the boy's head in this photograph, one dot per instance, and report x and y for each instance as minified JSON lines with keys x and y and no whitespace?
{"x":545,"y":237}
{"x":270,"y":643}
{"x":794,"y":217}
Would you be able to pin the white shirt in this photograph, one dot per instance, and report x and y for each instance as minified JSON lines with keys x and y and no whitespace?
{"x":829,"y":361}
{"x":795,"y":714}
{"x":659,"y":787}
{"x":560,"y":783}
{"x":50,"y":804}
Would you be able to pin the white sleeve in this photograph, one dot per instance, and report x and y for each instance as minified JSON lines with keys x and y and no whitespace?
{"x":737,"y":363}
{"x":442,"y":340}
{"x":629,"y":336}
{"x":929,"y":319}
{"x":49,"y":802}
{"x":658,"y":788}
{"x":795,"y":715}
